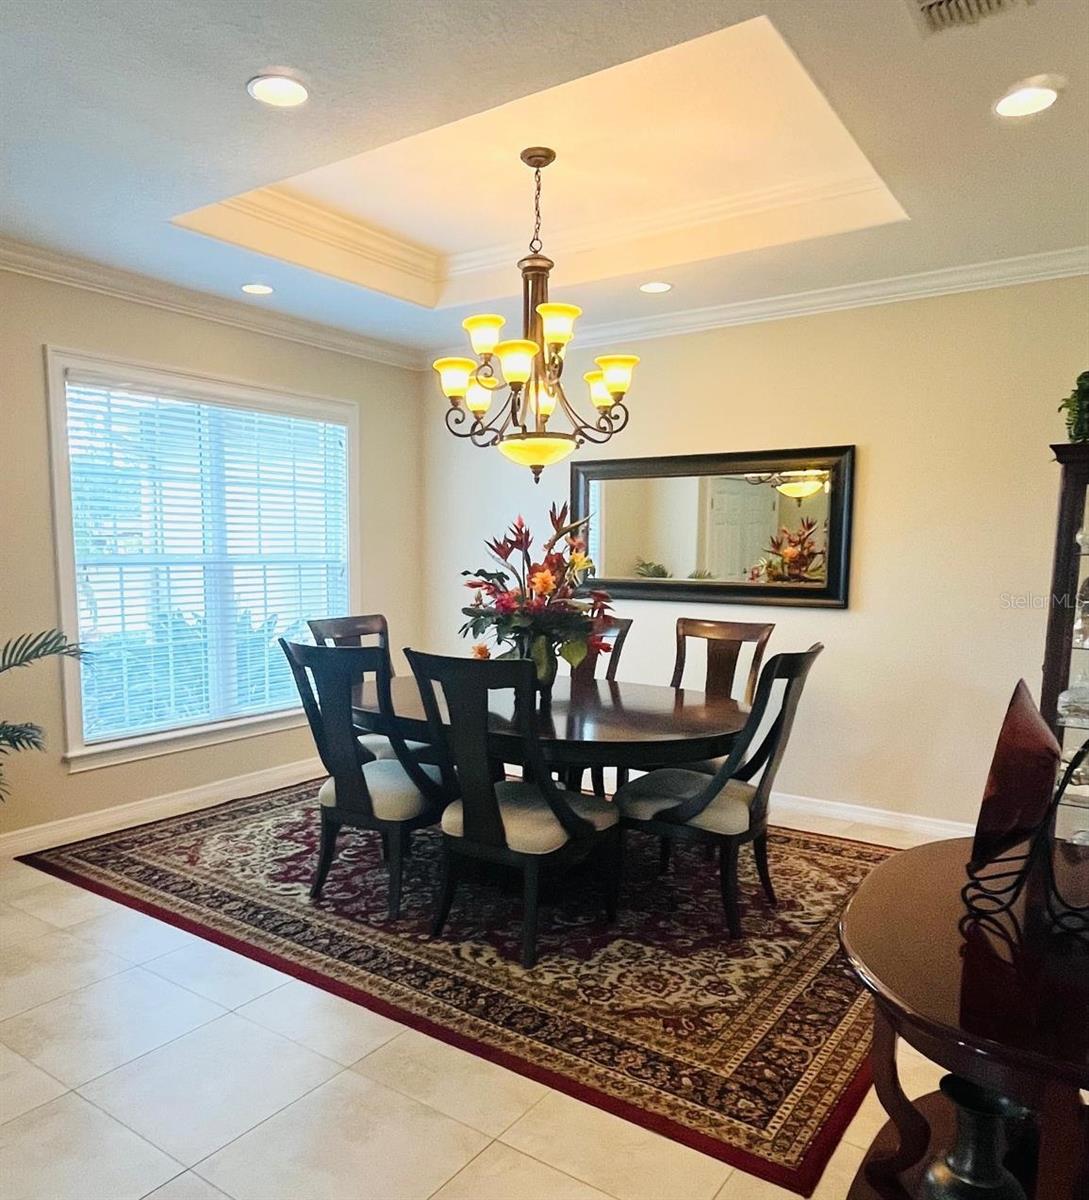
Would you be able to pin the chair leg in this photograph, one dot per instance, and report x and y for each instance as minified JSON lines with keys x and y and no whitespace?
{"x":615,"y":852}
{"x":396,"y":842}
{"x":330,"y":827}
{"x":531,"y":893}
{"x":448,"y":885}
{"x":760,"y":850}
{"x":727,"y":867}
{"x":597,"y":781}
{"x":621,"y":777}
{"x":665,"y":849}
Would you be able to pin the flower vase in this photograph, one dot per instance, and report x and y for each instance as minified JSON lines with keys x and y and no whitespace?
{"x":543,"y":654}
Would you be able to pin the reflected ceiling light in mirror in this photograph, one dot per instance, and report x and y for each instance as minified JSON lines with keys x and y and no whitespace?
{"x":1030,"y":96}
{"x":257,"y":289}
{"x":798,"y":485}
{"x":655,"y":286}
{"x":531,"y":366}
{"x":277,"y":91}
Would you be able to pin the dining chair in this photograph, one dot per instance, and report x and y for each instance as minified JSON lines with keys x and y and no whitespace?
{"x":727,"y":809}
{"x":532,"y":824}
{"x":390,"y":796}
{"x":615,"y":632}
{"x":350,"y":631}
{"x":724,"y":642}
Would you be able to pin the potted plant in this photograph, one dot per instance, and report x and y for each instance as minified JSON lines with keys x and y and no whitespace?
{"x":530,"y":604}
{"x":21,"y":652}
{"x":1076,"y":407}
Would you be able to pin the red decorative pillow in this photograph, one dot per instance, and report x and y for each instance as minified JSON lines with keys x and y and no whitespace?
{"x":1021,"y":781}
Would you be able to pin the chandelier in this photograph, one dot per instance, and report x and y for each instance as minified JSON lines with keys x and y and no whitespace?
{"x":517,"y":422}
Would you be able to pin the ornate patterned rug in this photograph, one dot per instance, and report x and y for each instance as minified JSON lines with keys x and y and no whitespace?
{"x":753,"y":1052}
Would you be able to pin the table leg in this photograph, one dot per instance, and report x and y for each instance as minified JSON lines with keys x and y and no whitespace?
{"x":911,"y":1126}
{"x":1063,"y":1170}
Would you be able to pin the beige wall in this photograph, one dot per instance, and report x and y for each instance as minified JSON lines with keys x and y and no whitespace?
{"x":33,"y":314}
{"x":951,"y":402}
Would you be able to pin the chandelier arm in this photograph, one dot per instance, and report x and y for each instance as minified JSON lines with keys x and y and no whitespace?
{"x":609,"y":421}
{"x":495,"y":430}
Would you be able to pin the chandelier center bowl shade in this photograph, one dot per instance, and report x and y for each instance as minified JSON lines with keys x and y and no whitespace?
{"x":507,"y":395}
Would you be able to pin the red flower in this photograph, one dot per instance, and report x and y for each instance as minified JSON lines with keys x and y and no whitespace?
{"x":558,"y":516}
{"x":506,"y":602}
{"x":596,"y":644}
{"x":500,"y":547}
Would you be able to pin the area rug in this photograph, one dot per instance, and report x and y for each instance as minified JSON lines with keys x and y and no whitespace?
{"x":753,"y":1051}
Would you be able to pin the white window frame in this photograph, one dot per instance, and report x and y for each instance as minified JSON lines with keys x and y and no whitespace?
{"x":79,"y":756}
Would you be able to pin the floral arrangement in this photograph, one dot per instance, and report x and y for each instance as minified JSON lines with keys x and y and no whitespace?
{"x":530,"y":604}
{"x":792,"y":557}
{"x":1076,"y":407}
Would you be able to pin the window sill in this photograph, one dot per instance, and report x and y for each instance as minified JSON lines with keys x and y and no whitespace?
{"x":173,"y":741}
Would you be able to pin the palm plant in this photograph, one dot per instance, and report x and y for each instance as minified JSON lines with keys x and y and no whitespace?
{"x":21,"y":652}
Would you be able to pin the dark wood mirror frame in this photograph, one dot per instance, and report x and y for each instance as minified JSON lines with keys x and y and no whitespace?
{"x":837,"y":460}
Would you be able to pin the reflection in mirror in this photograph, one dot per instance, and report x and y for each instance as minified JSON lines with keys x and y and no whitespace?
{"x":769,"y":528}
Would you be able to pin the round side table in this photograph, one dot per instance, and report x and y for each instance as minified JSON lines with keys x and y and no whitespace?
{"x":1008,"y":1014}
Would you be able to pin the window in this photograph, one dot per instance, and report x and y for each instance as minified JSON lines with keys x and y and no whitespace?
{"x":203,"y":528}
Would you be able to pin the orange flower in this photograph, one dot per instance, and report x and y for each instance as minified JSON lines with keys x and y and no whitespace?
{"x":543,"y":582}
{"x":481,"y":651}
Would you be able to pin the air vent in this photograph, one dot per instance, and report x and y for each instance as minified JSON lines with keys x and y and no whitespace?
{"x":947,"y":14}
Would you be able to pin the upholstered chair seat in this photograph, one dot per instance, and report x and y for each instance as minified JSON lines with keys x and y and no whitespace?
{"x":380,"y":746}
{"x":728,"y":813}
{"x":394,"y":797}
{"x":529,"y":824}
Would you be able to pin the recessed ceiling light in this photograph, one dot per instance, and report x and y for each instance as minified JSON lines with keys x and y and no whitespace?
{"x":280,"y":91}
{"x":257,"y":289}
{"x":1030,"y":96}
{"x":655,"y":285}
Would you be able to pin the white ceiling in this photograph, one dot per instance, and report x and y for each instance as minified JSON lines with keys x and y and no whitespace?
{"x":120,"y":115}
{"x":714,"y":147}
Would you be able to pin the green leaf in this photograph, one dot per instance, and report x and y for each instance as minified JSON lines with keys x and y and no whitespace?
{"x":20,"y":737}
{"x":573,"y":652}
{"x":22,"y":651}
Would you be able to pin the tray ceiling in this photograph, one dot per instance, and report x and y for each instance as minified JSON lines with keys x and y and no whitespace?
{"x":717,"y":146}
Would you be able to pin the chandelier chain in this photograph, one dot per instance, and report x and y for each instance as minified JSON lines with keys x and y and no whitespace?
{"x":535,"y":241}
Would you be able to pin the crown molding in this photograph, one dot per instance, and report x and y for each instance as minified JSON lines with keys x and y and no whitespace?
{"x":22,"y":258}
{"x":295,"y":213}
{"x":670,"y":220}
{"x":1003,"y":272}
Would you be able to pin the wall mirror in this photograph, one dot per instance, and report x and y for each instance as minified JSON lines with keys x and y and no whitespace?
{"x":767,"y":527}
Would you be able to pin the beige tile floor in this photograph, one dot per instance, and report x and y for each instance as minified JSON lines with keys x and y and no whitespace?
{"x":139,"y":1061}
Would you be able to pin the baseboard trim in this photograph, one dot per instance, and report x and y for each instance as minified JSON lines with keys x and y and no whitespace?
{"x":154,"y":808}
{"x":862,"y":814}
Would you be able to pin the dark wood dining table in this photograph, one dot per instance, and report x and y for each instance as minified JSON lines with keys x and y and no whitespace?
{"x":1004,"y":1005}
{"x":593,"y":723}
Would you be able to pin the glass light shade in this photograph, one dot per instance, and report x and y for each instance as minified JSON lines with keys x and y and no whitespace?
{"x":1024,"y":101}
{"x":800,"y":484}
{"x":617,"y":369}
{"x":600,"y":395}
{"x":542,"y":401}
{"x":516,"y":358}
{"x":558,"y":322}
{"x":537,"y":449}
{"x":483,"y":332}
{"x":800,"y":489}
{"x":478,"y":399}
{"x":454,"y":375}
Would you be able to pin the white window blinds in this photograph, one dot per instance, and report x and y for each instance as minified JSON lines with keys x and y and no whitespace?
{"x":202,"y":533}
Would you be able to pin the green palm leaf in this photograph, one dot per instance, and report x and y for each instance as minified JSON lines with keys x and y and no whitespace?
{"x":31,"y":647}
{"x":20,"y":737}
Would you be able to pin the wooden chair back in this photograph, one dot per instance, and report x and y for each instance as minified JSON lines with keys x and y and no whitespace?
{"x":350,"y":631}
{"x":326,"y":677}
{"x":615,"y":633}
{"x":461,"y":745}
{"x":777,"y":694}
{"x":724,"y":641}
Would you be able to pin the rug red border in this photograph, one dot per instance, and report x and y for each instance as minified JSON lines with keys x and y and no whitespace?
{"x":801,"y":1180}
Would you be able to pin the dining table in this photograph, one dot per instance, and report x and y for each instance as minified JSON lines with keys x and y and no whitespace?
{"x":586,"y":723}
